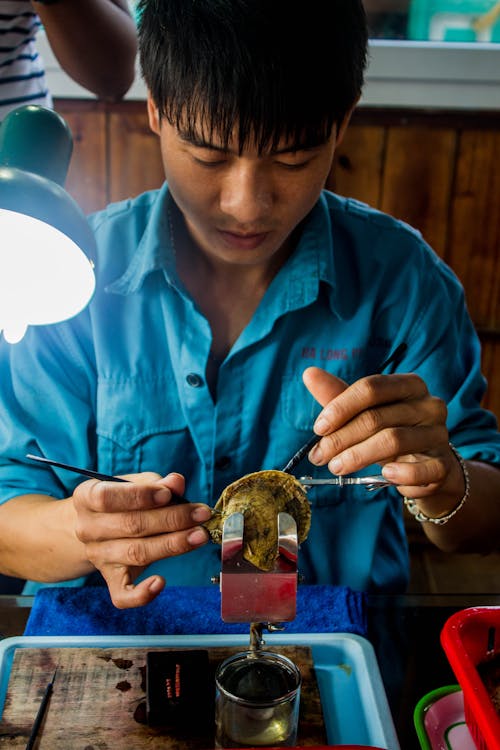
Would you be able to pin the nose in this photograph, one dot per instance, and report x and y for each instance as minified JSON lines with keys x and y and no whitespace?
{"x":246,"y":194}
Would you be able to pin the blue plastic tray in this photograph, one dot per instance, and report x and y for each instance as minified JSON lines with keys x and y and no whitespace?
{"x":353,"y":698}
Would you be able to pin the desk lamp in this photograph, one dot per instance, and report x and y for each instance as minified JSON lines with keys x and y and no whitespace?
{"x":45,"y":241}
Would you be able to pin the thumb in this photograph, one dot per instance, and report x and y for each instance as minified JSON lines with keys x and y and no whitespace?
{"x":322,"y":385}
{"x":174,"y":482}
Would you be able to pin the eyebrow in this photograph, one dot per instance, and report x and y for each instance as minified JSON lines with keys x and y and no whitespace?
{"x":200,"y":142}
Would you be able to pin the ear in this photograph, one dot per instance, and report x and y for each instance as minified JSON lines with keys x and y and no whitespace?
{"x":343,"y":125}
{"x":153,"y":115}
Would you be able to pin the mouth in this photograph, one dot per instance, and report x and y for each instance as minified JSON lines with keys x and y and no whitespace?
{"x":243,"y":240}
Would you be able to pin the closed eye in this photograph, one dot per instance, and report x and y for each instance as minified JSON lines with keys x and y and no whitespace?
{"x":210,"y":163}
{"x":294,"y":165}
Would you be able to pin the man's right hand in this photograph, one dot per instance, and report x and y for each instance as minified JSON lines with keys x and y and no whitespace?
{"x":126,"y":526}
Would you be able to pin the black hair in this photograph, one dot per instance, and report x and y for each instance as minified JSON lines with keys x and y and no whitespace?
{"x":271,"y":69}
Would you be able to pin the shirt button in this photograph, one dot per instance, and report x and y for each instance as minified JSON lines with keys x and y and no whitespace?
{"x":194,"y":380}
{"x":223,"y":463}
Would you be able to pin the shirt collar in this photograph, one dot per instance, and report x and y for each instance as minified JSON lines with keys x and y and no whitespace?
{"x":155,"y":251}
{"x":316,"y":261}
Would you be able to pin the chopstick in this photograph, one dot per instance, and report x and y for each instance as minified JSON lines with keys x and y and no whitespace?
{"x":176,"y":499}
{"x":40,"y":713}
{"x":297,"y":457}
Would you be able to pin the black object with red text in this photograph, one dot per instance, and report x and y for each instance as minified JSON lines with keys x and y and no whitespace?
{"x":180,"y":690}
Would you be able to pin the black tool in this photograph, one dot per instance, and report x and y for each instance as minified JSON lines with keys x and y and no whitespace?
{"x":177,"y":499}
{"x":78,"y":470}
{"x":393,"y":358}
{"x":40,"y":713}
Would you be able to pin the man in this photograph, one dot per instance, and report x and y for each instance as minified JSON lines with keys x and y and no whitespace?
{"x":218,"y":298}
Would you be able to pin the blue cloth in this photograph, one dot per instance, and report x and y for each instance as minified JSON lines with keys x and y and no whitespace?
{"x":177,"y":610}
{"x":120,"y":387}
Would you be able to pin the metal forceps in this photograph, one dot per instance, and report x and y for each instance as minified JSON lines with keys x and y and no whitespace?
{"x":374,"y":482}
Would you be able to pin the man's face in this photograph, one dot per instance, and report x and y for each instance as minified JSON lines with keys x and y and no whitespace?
{"x":240,"y":209}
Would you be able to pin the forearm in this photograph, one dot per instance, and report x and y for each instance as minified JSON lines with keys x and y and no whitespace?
{"x":476,"y":526}
{"x":95,"y":42}
{"x":38,"y":542}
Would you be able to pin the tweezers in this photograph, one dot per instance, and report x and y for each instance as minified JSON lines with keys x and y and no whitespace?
{"x":373,"y":482}
{"x":297,"y":457}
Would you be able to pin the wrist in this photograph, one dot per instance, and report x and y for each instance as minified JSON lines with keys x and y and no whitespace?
{"x":445,"y":516}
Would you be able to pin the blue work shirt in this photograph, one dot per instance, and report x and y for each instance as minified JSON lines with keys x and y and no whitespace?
{"x":121,"y":387}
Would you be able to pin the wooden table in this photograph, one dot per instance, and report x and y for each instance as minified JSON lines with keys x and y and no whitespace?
{"x":404,"y":631}
{"x":99,"y":700}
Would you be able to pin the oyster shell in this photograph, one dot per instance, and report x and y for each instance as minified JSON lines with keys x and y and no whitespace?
{"x":260,"y":497}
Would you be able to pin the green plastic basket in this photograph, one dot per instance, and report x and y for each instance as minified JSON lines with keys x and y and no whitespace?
{"x":421,"y":708}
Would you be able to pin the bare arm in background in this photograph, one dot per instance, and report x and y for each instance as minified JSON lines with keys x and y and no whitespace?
{"x":94,"y":41}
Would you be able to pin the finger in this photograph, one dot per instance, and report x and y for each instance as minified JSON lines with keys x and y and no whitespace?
{"x":389,"y":445}
{"x":367,"y":393}
{"x":322,"y":385}
{"x":174,"y":482}
{"x":419,"y":477}
{"x":112,"y":497}
{"x":124,"y":593}
{"x":99,"y":527}
{"x":141,"y":552}
{"x":144,"y":477}
{"x":423,"y":412}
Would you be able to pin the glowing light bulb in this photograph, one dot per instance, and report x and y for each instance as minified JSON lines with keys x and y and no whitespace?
{"x":44,"y":276}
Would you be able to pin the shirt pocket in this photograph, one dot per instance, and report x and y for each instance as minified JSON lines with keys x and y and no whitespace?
{"x":298,"y":409}
{"x":141,"y":426}
{"x":296,"y":416}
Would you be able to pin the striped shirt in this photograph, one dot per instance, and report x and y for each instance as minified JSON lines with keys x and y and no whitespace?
{"x":22,"y":74}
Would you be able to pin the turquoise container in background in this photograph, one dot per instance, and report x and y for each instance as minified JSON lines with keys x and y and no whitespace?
{"x":450,"y":21}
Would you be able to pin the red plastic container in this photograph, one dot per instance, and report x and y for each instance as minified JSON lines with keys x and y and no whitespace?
{"x":469,"y":637}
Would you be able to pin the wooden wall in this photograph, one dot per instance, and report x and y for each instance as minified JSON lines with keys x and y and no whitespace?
{"x":437,"y":171}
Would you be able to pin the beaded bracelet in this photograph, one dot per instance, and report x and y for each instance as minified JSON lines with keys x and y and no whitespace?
{"x":422,"y":518}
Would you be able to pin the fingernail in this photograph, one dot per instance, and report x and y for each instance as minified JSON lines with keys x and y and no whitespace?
{"x":162,"y":497}
{"x":335,"y":465}
{"x":156,"y":585}
{"x":389,"y":471}
{"x":320,"y":425}
{"x":201,"y":513}
{"x":316,"y":455}
{"x":197,"y":537}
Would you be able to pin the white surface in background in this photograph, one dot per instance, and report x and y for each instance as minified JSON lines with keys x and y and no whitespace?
{"x":400,"y":74}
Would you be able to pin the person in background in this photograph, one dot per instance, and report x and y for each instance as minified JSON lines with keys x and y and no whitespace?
{"x":238,"y":308}
{"x":95,"y":42}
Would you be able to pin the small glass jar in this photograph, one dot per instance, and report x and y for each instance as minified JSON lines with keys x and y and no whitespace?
{"x":257,"y":701}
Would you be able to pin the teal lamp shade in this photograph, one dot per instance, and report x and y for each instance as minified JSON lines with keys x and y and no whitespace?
{"x":46,"y":244}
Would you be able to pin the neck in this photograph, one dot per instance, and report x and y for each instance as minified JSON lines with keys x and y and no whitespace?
{"x":226,"y":294}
